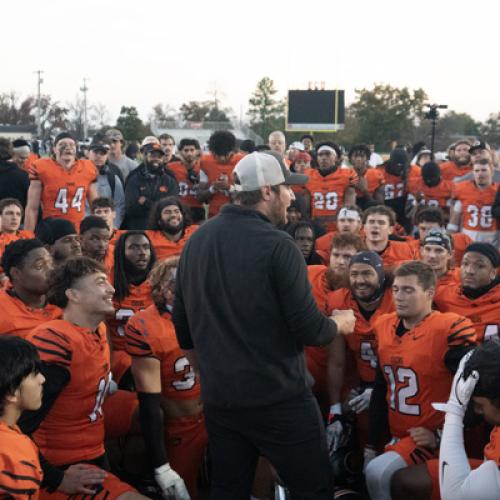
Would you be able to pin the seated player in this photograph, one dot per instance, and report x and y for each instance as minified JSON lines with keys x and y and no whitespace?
{"x":324,"y":280}
{"x":437,"y":251}
{"x":348,"y":221}
{"x":11,"y":215}
{"x":330,"y":186}
{"x":94,"y":240}
{"x":134,"y":259}
{"x":370,"y":186}
{"x":187,"y":174}
{"x":21,"y":386}
{"x":478,"y":294}
{"x":165,"y":380}
{"x":473,"y":202}
{"x":24,"y":305}
{"x":430,"y":189}
{"x":169,"y":227}
{"x":417,"y":347}
{"x":305,"y":237}
{"x":433,"y":218}
{"x":369,"y":296}
{"x":378,"y":224}
{"x":60,"y":238}
{"x":69,"y":426}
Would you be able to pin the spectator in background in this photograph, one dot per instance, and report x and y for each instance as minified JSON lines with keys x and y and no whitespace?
{"x":116,"y":156}
{"x":22,"y":156}
{"x":167,"y":143}
{"x":460,"y":161}
{"x":146,"y":185}
{"x":277,"y":142}
{"x":308,"y":141}
{"x":131,"y":151}
{"x":247,"y":146}
{"x":110,"y":181}
{"x":14,"y":182}
{"x":375,"y":158}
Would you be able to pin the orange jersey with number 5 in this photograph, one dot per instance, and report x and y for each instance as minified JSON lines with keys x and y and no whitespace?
{"x":483,"y":311}
{"x":362,"y":342}
{"x":73,"y":430}
{"x":413,"y":362}
{"x":64,"y":191}
{"x":152,"y":333}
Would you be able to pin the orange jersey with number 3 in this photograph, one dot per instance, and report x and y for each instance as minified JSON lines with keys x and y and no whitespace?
{"x":362,"y":342}
{"x":188,"y":191}
{"x":412,"y":363}
{"x":166,"y":248}
{"x":327,"y":192}
{"x":152,"y":333}
{"x":73,"y":430}
{"x":64,"y":191}
{"x":483,"y":311}
{"x":476,"y":206}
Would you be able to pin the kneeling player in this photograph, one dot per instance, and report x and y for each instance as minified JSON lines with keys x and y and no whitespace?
{"x":165,"y":380}
{"x":69,"y":426}
{"x":21,"y":386}
{"x":418,"y":348}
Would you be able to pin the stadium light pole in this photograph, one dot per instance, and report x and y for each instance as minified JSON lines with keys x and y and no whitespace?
{"x":39,"y":104}
{"x":433,"y":115}
{"x":84,"y":89}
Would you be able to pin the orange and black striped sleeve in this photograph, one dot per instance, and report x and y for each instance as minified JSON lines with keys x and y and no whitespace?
{"x":462,"y":333}
{"x":19,"y":478}
{"x":135,"y":338}
{"x":54,"y":348}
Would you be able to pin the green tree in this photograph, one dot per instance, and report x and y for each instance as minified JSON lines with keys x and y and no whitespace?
{"x":490,"y":130}
{"x":129,"y":122}
{"x":385,"y":114}
{"x":195,"y":111}
{"x":266,"y":112}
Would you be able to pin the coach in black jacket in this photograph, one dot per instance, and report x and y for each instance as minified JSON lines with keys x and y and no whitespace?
{"x":145,"y":185}
{"x":243,"y":312}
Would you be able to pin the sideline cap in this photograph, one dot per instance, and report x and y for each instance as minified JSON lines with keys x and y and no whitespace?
{"x":259,"y":169}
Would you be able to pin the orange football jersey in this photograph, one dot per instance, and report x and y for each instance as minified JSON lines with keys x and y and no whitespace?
{"x":6,"y":238}
{"x":20,"y":472}
{"x":492,"y":449}
{"x":19,"y":319}
{"x":412,"y":363}
{"x":28,"y":164}
{"x":138,"y":299}
{"x":164,"y":247}
{"x":397,"y":252}
{"x":188,"y":191}
{"x":327,"y":193}
{"x":214,"y":170}
{"x":73,"y":430}
{"x":152,"y":333}
{"x":64,"y":191}
{"x":435,"y":196}
{"x":476,"y":207}
{"x":450,"y":170}
{"x":460,"y":243}
{"x":483,"y":311}
{"x":362,"y":342}
{"x":374,"y":178}
{"x":114,"y":237}
{"x":394,"y":186}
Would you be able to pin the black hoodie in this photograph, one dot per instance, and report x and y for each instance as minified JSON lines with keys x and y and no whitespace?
{"x":14,"y":182}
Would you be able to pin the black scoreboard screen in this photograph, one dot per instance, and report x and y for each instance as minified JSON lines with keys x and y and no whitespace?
{"x":315,"y":110}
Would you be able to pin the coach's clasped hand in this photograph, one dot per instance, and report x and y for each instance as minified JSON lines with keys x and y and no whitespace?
{"x":345,"y":320}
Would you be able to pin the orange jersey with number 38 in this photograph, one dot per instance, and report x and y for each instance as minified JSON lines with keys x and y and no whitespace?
{"x":412,"y":363}
{"x":151,"y":333}
{"x":73,"y":430}
{"x":64,"y":191}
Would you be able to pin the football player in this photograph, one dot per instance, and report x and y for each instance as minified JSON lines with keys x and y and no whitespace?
{"x":60,"y":184}
{"x":330,"y":186}
{"x":416,"y":348}
{"x":170,"y":227}
{"x":94,"y":240}
{"x":60,"y":238}
{"x":69,"y":426}
{"x":134,"y":259}
{"x":21,"y":386}
{"x":369,"y":296}
{"x":164,"y":379}
{"x":28,"y":264}
{"x":11,"y":214}
{"x":478,"y":294}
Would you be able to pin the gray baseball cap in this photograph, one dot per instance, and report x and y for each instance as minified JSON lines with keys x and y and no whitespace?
{"x":265,"y":168}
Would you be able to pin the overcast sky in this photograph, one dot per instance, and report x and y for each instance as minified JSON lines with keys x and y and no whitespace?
{"x":143,"y":52}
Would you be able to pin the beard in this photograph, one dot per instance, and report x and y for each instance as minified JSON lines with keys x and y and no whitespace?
{"x":335,"y":280}
{"x":278,"y":214}
{"x":462,"y":160}
{"x":167,"y":228}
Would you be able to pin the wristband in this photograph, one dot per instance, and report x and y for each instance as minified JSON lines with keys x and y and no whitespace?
{"x":336,"y":409}
{"x":452,"y":227}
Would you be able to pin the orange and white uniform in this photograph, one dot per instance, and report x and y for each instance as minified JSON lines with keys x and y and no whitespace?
{"x":450,"y":170}
{"x":188,"y":191}
{"x":166,"y":248}
{"x":394,"y":186}
{"x":435,"y":196}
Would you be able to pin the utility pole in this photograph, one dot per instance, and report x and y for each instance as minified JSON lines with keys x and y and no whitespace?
{"x":39,"y":105}
{"x":84,"y":89}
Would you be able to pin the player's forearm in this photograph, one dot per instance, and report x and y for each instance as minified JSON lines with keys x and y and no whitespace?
{"x":335,"y":382}
{"x":30,"y":218}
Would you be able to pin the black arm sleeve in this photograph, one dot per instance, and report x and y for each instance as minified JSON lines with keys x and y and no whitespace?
{"x":454,"y":355}
{"x":56,"y":378}
{"x":52,"y":476}
{"x":495,"y":210}
{"x":304,"y":320}
{"x":152,"y":427}
{"x":379,"y":423}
